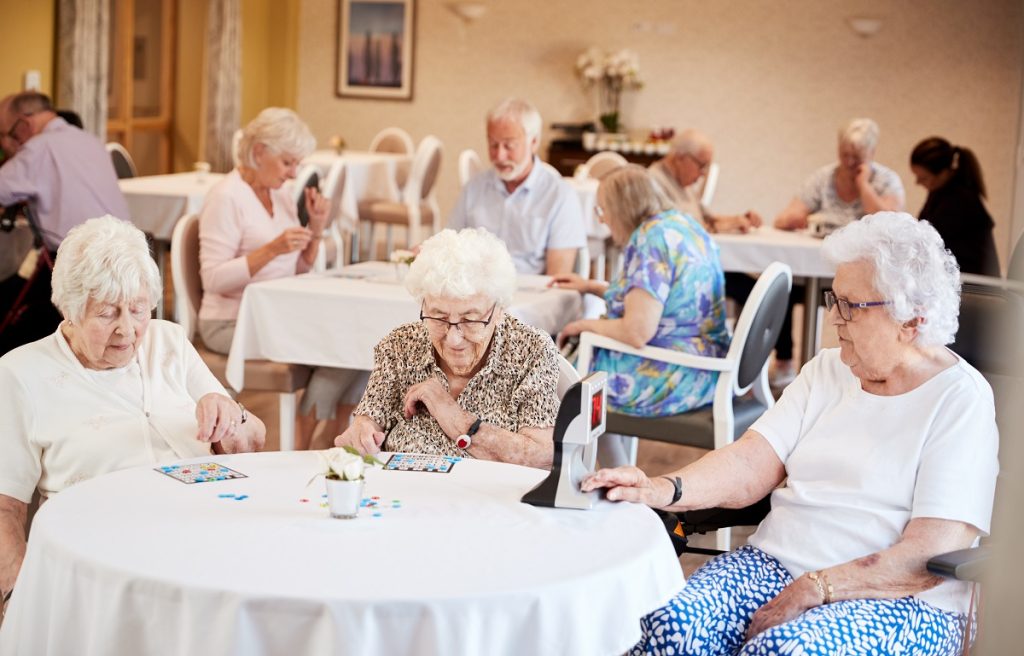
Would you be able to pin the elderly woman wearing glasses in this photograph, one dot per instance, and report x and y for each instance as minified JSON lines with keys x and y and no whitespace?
{"x":880,"y":455}
{"x":467,"y":379}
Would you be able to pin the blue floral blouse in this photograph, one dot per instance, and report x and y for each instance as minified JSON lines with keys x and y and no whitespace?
{"x":671,"y":257}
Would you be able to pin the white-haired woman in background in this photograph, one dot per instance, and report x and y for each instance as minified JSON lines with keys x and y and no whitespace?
{"x":887,"y":446}
{"x":109,"y":389}
{"x":467,"y":379}
{"x":249,"y":231}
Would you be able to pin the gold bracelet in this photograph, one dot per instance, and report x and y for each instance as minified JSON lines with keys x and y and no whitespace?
{"x":814,"y":576}
{"x":830,"y":595}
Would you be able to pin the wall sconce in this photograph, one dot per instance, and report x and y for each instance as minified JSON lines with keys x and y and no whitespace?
{"x":469,"y":12}
{"x":864,"y":26}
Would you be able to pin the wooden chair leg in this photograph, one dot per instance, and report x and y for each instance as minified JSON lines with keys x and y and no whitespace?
{"x":287,"y":408}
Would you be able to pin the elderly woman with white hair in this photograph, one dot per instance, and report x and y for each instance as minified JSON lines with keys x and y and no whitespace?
{"x":467,"y":379}
{"x":880,"y":455}
{"x":249,"y":231}
{"x":109,"y":389}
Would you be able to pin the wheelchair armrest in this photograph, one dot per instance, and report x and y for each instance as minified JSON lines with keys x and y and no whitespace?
{"x":712,"y":519}
{"x":962,"y":565}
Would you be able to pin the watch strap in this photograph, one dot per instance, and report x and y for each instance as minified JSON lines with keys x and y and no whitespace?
{"x":677,"y":483}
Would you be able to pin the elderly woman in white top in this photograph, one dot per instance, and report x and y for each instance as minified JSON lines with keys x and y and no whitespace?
{"x":249,"y":231}
{"x":880,"y":455}
{"x":467,"y":379}
{"x":109,"y":389}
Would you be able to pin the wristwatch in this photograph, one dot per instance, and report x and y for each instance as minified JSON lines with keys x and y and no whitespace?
{"x":677,"y":484}
{"x":466,"y":439}
{"x":245,"y":414}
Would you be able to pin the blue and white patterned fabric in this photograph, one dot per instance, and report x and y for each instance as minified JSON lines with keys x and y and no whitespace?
{"x":674,"y":259}
{"x":711,"y":615}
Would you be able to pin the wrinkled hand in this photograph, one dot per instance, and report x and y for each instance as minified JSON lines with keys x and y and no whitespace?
{"x":754,"y":218}
{"x":794,"y":599}
{"x":863,"y":175}
{"x":572,"y":281}
{"x":630,"y":484}
{"x":431,"y":397}
{"x":363,"y":435}
{"x":291,"y":239}
{"x":316,"y":206}
{"x":218,"y":417}
{"x":572,"y":329}
{"x":733,"y":223}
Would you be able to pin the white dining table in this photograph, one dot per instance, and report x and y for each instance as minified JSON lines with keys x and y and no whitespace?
{"x":136,"y":562}
{"x":335,"y":319}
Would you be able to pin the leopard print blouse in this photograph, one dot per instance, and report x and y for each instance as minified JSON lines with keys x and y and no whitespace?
{"x":515,"y":389}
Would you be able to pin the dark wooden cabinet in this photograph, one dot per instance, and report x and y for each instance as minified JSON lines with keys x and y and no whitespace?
{"x":566,"y":156}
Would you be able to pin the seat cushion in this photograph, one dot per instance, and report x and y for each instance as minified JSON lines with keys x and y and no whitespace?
{"x":694,"y":428}
{"x":260,"y":375}
{"x":380,"y":211}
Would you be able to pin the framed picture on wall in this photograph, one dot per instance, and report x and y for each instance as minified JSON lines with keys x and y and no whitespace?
{"x":375,"y":49}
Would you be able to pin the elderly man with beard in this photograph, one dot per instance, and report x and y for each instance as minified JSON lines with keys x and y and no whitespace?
{"x":522,"y":200}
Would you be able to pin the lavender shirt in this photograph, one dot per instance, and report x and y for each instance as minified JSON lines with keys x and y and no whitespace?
{"x":68,"y":174}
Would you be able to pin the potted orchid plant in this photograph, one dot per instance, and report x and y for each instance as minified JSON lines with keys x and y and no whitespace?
{"x":344,"y":478}
{"x":611,"y":73}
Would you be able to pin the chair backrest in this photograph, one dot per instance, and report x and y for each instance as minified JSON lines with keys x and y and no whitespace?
{"x":707,"y":194}
{"x":759,"y":324}
{"x":334,"y":185}
{"x":124,"y":166}
{"x":333,"y":188}
{"x":991,"y":325}
{"x":308,"y":176}
{"x":235,"y":139}
{"x":393,"y":140}
{"x":1016,"y":268}
{"x":602,"y":163}
{"x":426,"y":165}
{"x":567,"y":376}
{"x":188,"y":286}
{"x":469,"y":165}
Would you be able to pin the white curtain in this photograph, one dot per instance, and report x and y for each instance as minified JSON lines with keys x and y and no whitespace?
{"x":83,"y":34}
{"x":223,"y":86}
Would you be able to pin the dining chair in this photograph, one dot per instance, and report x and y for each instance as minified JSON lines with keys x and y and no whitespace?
{"x":418,"y":203}
{"x":332,"y":246}
{"x":601,"y":163}
{"x":469,"y":165}
{"x":743,"y":370}
{"x":124,"y":166}
{"x":236,"y":138}
{"x":307,"y":176}
{"x":707,"y":193}
{"x":567,"y":376}
{"x":260,"y":375}
{"x":393,"y":140}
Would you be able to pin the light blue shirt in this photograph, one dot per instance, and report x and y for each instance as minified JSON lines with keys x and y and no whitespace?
{"x":543,"y":213}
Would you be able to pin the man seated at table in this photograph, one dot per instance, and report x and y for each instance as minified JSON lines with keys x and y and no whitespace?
{"x":467,"y":379}
{"x":109,"y":388}
{"x":522,"y":200}
{"x":67,"y":176}
{"x":678,"y":173}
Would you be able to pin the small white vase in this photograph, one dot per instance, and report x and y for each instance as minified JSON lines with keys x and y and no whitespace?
{"x":344,"y":497}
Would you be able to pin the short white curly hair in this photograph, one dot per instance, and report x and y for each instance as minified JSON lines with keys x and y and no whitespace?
{"x":462,"y":264}
{"x":913,"y":269}
{"x":861,"y":133}
{"x":104,"y":259}
{"x":280,"y":130}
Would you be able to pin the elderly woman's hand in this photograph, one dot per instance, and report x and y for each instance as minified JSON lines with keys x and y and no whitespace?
{"x":431,"y":395}
{"x":291,"y":239}
{"x":218,"y":417}
{"x":572,"y":329}
{"x":316,"y":206}
{"x":797,"y":597}
{"x":363,"y":434}
{"x":630,"y":484}
{"x":577,"y":283}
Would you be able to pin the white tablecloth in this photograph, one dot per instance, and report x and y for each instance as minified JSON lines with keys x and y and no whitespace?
{"x":156,"y":202}
{"x":367,"y":175}
{"x":136,"y":562}
{"x":335,"y":321}
{"x":754,"y":251}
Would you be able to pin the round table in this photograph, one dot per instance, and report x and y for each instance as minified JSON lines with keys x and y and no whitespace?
{"x":137,"y":562}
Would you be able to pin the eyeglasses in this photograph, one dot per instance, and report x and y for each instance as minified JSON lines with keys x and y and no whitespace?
{"x":701,"y":166}
{"x":10,"y":133}
{"x":468,"y":328}
{"x":846,"y":307}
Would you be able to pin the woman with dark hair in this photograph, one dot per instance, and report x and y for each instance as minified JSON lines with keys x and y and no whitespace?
{"x":952,"y":176}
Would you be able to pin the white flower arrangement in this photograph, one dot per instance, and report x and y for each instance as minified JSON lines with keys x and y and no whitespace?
{"x":611,"y":72}
{"x":402,"y":256}
{"x":345,"y":463}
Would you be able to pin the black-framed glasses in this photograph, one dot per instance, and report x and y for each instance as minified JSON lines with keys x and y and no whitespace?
{"x":469,"y":328}
{"x":10,"y":133}
{"x":846,"y":307}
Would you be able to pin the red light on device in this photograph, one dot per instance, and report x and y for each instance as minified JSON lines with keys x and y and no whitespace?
{"x":596,"y":409}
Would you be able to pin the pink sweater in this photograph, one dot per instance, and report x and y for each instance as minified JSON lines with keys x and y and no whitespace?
{"x":233,"y":223}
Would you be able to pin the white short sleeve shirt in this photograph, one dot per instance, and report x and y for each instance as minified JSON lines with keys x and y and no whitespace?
{"x":861,"y":466}
{"x":543,"y":213}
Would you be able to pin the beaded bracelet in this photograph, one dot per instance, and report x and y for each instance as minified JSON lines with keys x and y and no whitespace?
{"x":823,"y":584}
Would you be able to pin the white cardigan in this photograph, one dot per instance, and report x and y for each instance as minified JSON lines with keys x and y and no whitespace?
{"x":59,"y":424}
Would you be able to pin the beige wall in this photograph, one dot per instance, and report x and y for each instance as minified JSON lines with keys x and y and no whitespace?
{"x":771,"y":83}
{"x":27,"y":43}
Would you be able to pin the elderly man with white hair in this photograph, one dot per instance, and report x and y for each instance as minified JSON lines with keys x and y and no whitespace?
{"x":467,"y":379}
{"x":522,"y":200}
{"x":109,"y":389}
{"x":678,"y":172}
{"x":880,"y":456}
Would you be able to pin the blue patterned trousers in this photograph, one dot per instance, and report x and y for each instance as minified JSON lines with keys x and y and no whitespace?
{"x":711,"y":614}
